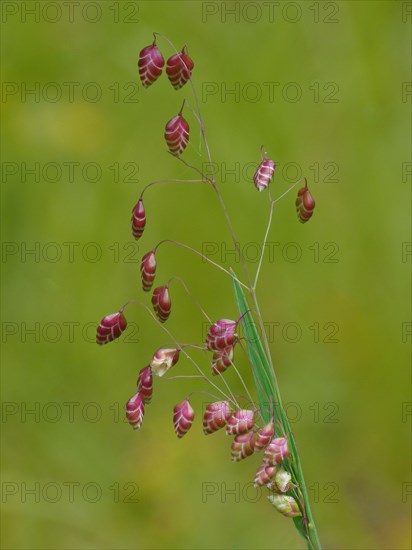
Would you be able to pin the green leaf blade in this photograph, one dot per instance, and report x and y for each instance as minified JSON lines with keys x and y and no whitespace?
{"x":262,"y":371}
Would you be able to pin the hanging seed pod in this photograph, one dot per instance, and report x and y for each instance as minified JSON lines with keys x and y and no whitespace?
{"x":282,"y":481}
{"x":183,"y":415}
{"x":264,"y":435}
{"x":150,"y":63}
{"x":163,"y":360}
{"x":138,"y":221}
{"x":135,"y":410}
{"x":243,"y":446}
{"x":276,"y":451}
{"x":305,"y":205}
{"x":177,"y":134}
{"x":148,"y":270}
{"x":179,"y":69}
{"x":145,"y":384}
{"x":161,"y":303}
{"x":264,"y":475}
{"x":221,"y":335}
{"x":110,"y":328}
{"x":240,"y":422}
{"x":264,"y":174}
{"x":285,"y":504}
{"x":216,"y":416}
{"x":222,"y":359}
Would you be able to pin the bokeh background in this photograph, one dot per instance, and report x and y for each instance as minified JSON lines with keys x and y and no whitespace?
{"x":334,"y":292}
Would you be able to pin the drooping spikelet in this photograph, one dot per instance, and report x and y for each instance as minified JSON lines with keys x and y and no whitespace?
{"x":264,"y":174}
{"x":135,"y":410}
{"x":183,"y":415}
{"x":148,"y":270}
{"x":221,"y":335}
{"x":150,"y":63}
{"x":276,"y":451}
{"x":264,"y":475}
{"x":179,"y":68}
{"x":110,"y":328}
{"x":240,"y":422}
{"x":216,"y":416}
{"x":177,"y":134}
{"x":163,"y":360}
{"x":138,"y":221}
{"x":145,"y":384}
{"x":281,"y":481}
{"x":264,"y":435}
{"x":161,"y":303}
{"x":222,"y":359}
{"x":285,"y":504}
{"x":305,"y":205}
{"x":243,"y":446}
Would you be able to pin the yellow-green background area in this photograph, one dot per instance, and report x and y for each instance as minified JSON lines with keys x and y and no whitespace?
{"x":96,"y":483}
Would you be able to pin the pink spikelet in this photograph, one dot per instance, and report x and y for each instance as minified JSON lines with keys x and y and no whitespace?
{"x":148,"y":270}
{"x":150,"y":63}
{"x":161,"y":303}
{"x":163,"y":360}
{"x":138,"y":221}
{"x":145,"y":384}
{"x":243,"y":446}
{"x":110,"y":328}
{"x":183,"y":415}
{"x":264,"y":174}
{"x":221,"y":335}
{"x":276,"y":451}
{"x":264,"y":435}
{"x":135,"y":410}
{"x":264,"y":475}
{"x":179,"y":69}
{"x":177,"y":134}
{"x":240,"y":422}
{"x":216,"y":416}
{"x":222,"y":359}
{"x":305,"y":205}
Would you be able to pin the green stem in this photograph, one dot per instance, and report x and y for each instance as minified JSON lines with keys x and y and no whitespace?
{"x":265,"y":374}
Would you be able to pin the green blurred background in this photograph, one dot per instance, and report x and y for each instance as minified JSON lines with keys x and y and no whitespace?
{"x":348,"y":398}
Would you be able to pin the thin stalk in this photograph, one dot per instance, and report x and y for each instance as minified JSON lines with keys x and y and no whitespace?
{"x":169,"y":181}
{"x":225,"y":383}
{"x":242,"y":381}
{"x":205,"y":258}
{"x":271,"y":207}
{"x":205,"y":178}
{"x":194,"y":300}
{"x":264,"y":244}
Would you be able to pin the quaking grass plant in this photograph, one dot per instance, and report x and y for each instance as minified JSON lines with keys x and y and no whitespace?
{"x":257,"y":425}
